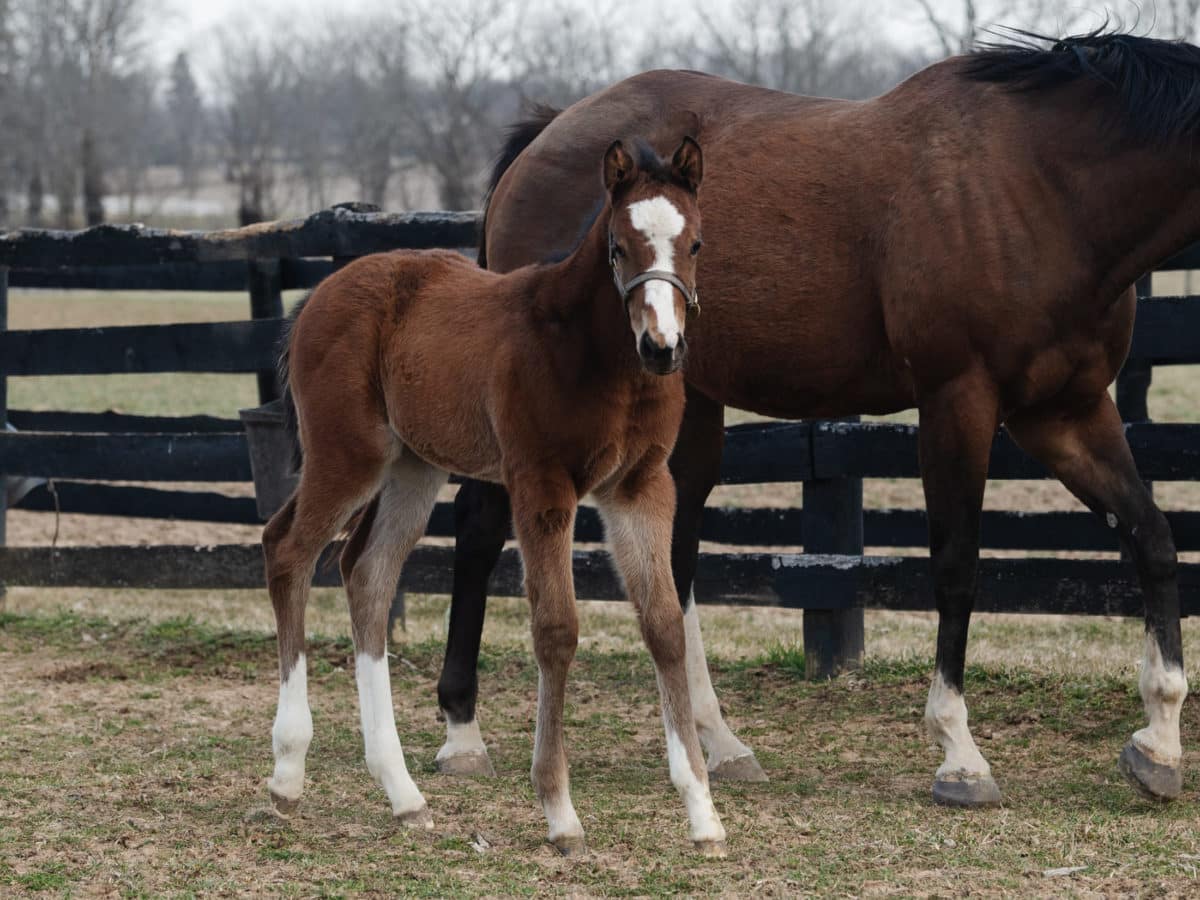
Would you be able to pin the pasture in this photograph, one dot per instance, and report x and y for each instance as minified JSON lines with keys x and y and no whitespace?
{"x":134,"y":729}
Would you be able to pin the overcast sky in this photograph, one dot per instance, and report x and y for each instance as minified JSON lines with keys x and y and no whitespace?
{"x":192,"y":25}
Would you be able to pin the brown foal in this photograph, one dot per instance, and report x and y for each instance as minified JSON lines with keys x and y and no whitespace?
{"x":404,"y":367}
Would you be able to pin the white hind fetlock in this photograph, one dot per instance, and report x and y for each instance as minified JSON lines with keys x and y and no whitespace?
{"x":464,"y":752}
{"x":291,"y":736}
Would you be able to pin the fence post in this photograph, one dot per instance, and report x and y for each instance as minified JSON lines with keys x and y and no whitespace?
{"x":3,"y":425}
{"x":833,"y":523}
{"x":266,"y":302}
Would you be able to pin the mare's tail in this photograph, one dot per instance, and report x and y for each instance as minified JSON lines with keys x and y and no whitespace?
{"x":520,"y":135}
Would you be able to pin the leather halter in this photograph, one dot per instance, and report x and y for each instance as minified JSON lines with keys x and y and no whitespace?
{"x":625,"y":288}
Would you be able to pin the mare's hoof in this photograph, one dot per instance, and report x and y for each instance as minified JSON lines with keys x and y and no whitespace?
{"x":740,"y":768}
{"x":713,"y":849}
{"x":421,"y":819}
{"x":283,"y":805}
{"x":570,"y":845}
{"x":1152,"y":780}
{"x":467,"y":765}
{"x":973,"y":794}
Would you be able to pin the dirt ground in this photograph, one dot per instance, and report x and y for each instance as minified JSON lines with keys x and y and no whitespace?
{"x":133,"y":758}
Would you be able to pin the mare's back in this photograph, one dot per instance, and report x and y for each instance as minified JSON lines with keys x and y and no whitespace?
{"x":749,"y":134}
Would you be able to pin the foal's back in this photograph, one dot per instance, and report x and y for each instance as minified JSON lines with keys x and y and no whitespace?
{"x":402,"y":345}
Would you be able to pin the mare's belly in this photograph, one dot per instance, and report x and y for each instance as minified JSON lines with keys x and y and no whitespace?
{"x":786,"y":375}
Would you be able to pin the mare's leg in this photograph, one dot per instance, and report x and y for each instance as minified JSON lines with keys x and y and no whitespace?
{"x":371,"y":562}
{"x":958,"y":421}
{"x":638,"y":517}
{"x":327,"y":496}
{"x":481,"y":521}
{"x":544,"y":520}
{"x":696,"y":466}
{"x":1086,"y":449}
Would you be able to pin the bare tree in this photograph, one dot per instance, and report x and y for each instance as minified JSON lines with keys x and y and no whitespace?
{"x":252,"y":75}
{"x":77,"y":53}
{"x":185,"y":121}
{"x":570,"y":50}
{"x":817,"y":47}
{"x":1177,"y":18}
{"x":372,"y":94}
{"x":465,"y":47}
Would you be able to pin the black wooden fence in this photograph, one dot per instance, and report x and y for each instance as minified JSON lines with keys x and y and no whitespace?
{"x":832,"y":581}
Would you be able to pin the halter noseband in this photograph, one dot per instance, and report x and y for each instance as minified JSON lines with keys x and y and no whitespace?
{"x":625,"y":288}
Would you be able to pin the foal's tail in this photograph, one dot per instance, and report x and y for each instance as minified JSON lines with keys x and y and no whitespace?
{"x":290,"y":421}
{"x":520,"y":135}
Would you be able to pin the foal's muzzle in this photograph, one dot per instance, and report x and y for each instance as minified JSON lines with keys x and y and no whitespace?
{"x":661,"y":360}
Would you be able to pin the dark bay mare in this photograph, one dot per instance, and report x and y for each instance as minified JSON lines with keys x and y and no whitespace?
{"x":556,"y":381}
{"x":966,"y":245}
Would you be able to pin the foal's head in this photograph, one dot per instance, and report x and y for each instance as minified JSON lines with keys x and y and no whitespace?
{"x":654,"y":237}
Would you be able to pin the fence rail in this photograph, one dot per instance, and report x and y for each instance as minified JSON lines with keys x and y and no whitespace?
{"x":832,"y":580}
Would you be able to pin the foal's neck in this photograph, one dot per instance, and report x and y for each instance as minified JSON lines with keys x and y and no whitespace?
{"x":579,"y":294}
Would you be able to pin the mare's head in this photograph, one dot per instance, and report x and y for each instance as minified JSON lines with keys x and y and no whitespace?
{"x":654,"y":238}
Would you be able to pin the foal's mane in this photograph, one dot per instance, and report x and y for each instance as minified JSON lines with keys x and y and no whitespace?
{"x":1156,"y":82}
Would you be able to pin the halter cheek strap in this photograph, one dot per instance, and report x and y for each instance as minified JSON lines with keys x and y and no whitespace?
{"x":624,"y":288}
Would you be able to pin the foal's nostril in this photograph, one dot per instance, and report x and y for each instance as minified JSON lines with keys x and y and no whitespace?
{"x":652,"y":352}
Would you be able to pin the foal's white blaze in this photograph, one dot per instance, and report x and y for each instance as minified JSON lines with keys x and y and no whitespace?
{"x":291,"y":734}
{"x":702,"y":816}
{"x":660,"y":222}
{"x":1163,"y":688}
{"x":946,"y":719}
{"x":721,"y":743}
{"x":385,"y":758}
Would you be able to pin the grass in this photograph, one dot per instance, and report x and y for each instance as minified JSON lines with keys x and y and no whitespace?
{"x":152,"y":743}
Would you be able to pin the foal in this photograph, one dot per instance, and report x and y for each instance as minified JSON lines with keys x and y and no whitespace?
{"x":407,"y":366}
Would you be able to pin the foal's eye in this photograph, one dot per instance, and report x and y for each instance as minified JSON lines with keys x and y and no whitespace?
{"x":618,"y":251}
{"x":696,"y":247}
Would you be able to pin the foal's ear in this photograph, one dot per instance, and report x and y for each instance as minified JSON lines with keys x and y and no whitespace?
{"x":619,"y":166}
{"x":688,"y":163}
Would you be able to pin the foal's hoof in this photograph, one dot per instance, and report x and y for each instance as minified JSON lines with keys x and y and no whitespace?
{"x":467,"y":765}
{"x":740,"y":768}
{"x":570,"y":845}
{"x":283,"y":805}
{"x":1152,"y":780}
{"x":421,"y":819}
{"x":712,"y":849}
{"x":973,"y":794}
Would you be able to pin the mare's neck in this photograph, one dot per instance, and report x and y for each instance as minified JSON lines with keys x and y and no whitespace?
{"x":1136,"y":207}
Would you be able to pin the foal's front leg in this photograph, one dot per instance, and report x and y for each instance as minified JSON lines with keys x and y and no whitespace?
{"x":638,"y":516}
{"x":544,"y":521}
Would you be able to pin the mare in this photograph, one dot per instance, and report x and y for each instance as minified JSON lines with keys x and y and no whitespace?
{"x":964,"y":244}
{"x":404,"y":367}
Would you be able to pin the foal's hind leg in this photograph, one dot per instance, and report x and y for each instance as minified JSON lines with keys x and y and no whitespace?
{"x":371,"y":564}
{"x":638,"y":516}
{"x":1086,"y":449}
{"x":292,"y":541}
{"x":958,"y":421}
{"x":696,"y":466}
